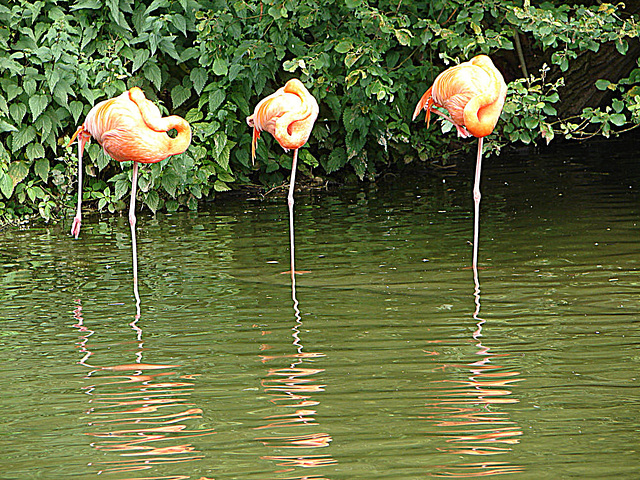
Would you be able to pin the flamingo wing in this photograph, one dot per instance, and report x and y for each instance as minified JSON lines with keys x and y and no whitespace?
{"x":288,"y":114}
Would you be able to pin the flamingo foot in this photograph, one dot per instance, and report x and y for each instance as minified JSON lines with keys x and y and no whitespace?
{"x":297,"y":272}
{"x":75,"y":228}
{"x":462,"y":132}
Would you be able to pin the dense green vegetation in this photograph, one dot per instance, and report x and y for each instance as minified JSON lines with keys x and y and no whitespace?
{"x":367,"y":63}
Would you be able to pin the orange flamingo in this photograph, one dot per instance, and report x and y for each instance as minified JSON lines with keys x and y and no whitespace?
{"x":473,"y":93}
{"x":129,"y":128}
{"x":288,"y":114}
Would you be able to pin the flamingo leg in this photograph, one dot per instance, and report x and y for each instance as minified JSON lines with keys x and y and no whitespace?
{"x":77,"y":220}
{"x":132,"y":224}
{"x":476,"y":202}
{"x":462,"y":132}
{"x":290,"y":203}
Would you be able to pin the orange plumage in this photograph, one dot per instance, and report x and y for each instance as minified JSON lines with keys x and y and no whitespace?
{"x":130,"y":128}
{"x":288,"y":114}
{"x":473,"y":93}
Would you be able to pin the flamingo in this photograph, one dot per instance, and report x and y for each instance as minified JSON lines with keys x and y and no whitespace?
{"x":130,"y":128}
{"x":288,"y":114}
{"x":473,"y":94}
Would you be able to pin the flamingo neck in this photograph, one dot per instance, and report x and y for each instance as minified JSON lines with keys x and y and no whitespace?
{"x":155,"y":122}
{"x":483,"y":111}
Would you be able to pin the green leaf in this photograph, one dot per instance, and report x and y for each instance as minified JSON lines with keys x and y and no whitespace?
{"x":193,"y":115}
{"x":14,"y":67}
{"x":155,"y":5}
{"x":44,"y":125}
{"x":152,"y":200}
{"x":220,"y":186}
{"x":18,"y":171}
{"x":225,"y":177}
{"x":180,"y":23}
{"x":89,"y":34}
{"x":215,"y":99}
{"x":531,"y":122}
{"x":179,"y":95}
{"x":168,"y":45}
{"x":139,"y":59}
{"x":11,"y":89}
{"x":35,"y":193}
{"x":172,"y":205}
{"x":29,"y":86}
{"x":6,"y":185}
{"x":622,"y":46}
{"x":90,"y":4}
{"x":7,"y":127}
{"x":618,"y":105}
{"x":121,"y":188}
{"x":219,"y":144}
{"x":353,"y":3}
{"x":220,"y":66}
{"x":153,"y":73}
{"x":344,"y":46}
{"x":117,"y":14}
{"x":564,"y":66}
{"x":102,"y":159}
{"x":41,"y":168}
{"x":403,"y":36}
{"x":234,"y":70}
{"x":351,"y":58}
{"x":18,"y":111}
{"x":602,"y":84}
{"x":22,"y":137}
{"x":360,"y":168}
{"x":170,"y":181}
{"x":275,"y":12}
{"x":290,"y":65}
{"x":198,"y":77}
{"x":35,"y":150}
{"x":337,"y":160}
{"x":76,"y":108}
{"x":618,"y":119}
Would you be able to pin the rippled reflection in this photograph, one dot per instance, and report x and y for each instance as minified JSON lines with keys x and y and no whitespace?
{"x":468,"y":413}
{"x":292,"y":388}
{"x":139,"y":411}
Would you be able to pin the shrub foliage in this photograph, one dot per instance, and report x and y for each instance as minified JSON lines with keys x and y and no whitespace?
{"x":210,"y":61}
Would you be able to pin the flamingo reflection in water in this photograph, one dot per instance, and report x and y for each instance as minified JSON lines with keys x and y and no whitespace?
{"x":140,"y":409}
{"x":293,"y":387}
{"x":468,"y":411}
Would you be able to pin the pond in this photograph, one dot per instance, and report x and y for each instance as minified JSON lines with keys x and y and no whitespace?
{"x":385,"y":362}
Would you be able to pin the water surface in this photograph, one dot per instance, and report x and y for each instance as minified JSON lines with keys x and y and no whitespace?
{"x":383,"y":369}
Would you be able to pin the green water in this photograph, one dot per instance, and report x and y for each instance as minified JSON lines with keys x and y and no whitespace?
{"x":381,"y":371}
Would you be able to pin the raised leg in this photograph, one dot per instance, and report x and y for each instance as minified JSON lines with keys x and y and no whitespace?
{"x":290,"y":203}
{"x":132,"y":224}
{"x":476,"y":202}
{"x":462,"y":132}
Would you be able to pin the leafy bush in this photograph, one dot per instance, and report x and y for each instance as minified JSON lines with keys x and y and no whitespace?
{"x":211,"y":61}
